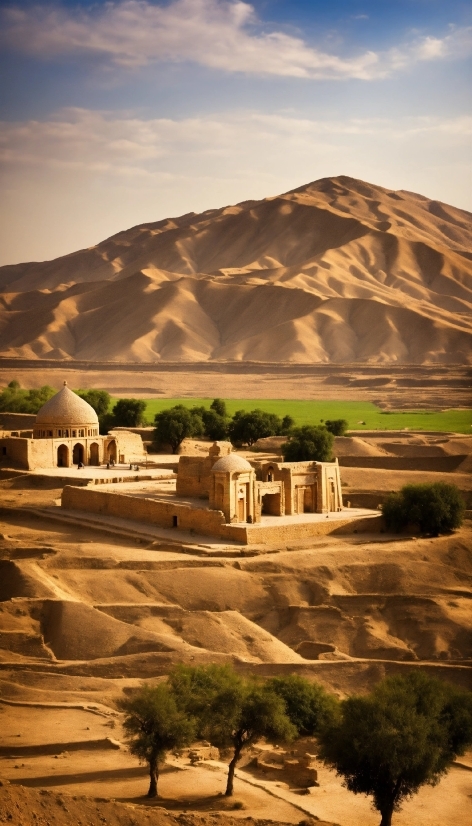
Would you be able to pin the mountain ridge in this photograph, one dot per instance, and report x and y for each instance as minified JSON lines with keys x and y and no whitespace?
{"x":336,"y":270}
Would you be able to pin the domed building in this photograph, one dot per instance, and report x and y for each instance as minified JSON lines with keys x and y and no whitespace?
{"x":66,"y":433}
{"x":245,"y":492}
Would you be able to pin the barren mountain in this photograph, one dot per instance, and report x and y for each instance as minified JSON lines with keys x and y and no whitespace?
{"x":335,"y":271}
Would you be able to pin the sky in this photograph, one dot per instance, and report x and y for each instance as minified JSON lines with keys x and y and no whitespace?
{"x":116,"y":113}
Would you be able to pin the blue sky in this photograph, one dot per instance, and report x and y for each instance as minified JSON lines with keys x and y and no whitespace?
{"x":116,"y":113}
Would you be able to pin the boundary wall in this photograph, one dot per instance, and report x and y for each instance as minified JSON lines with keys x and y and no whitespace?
{"x":207,"y":522}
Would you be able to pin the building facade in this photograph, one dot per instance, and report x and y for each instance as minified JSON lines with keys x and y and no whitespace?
{"x":66,"y":433}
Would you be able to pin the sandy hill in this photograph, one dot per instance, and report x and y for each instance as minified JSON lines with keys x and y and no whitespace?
{"x":335,"y":271}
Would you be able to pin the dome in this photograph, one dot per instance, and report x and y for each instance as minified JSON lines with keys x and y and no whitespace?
{"x":231,"y":464}
{"x":66,"y":408}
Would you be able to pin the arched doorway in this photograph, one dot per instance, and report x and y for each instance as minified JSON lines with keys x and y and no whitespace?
{"x":77,"y":454}
{"x":111,"y":450}
{"x":94,"y":454}
{"x":63,"y":456}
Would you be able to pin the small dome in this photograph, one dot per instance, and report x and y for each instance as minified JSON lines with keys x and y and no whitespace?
{"x":66,"y":408}
{"x":231,"y":464}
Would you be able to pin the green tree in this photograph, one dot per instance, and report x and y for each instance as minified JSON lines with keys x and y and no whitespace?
{"x":154,"y":725}
{"x":337,"y":427}
{"x":247,"y":428}
{"x":232,"y":711}
{"x":219,"y":407}
{"x":13,"y":399}
{"x":308,"y":706}
{"x":308,"y":444}
{"x":174,"y":425}
{"x":434,"y":508}
{"x":129,"y":412}
{"x":288,"y":423}
{"x":215,"y":425}
{"x":402,"y":736}
{"x":98,"y":399}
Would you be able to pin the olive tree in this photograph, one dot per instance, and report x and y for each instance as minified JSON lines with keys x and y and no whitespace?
{"x":402,"y":736}
{"x":155,"y":725}
{"x":232,"y":711}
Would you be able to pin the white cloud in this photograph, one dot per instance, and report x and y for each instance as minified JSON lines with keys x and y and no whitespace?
{"x":219,"y":34}
{"x":75,"y":179}
{"x":121,"y":146}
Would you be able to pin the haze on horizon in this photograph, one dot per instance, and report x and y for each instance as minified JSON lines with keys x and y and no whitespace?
{"x":115,"y":114}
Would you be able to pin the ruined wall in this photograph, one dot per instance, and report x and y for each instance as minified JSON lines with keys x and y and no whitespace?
{"x":152,"y":511}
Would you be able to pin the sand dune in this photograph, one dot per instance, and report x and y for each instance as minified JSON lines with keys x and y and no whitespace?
{"x":335,"y":271}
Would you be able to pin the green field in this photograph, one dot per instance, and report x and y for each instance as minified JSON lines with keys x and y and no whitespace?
{"x":311,"y":412}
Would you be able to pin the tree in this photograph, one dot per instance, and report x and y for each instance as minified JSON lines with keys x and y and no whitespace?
{"x":129,"y":412}
{"x":13,"y":399}
{"x":308,"y":706}
{"x":434,"y":508}
{"x":308,"y":444}
{"x":402,"y":736}
{"x":215,"y":425}
{"x":154,"y":725}
{"x":288,"y":423}
{"x":247,"y":428}
{"x":219,"y":407}
{"x":98,"y":399}
{"x":232,"y":710}
{"x":337,"y":427}
{"x":174,"y":425}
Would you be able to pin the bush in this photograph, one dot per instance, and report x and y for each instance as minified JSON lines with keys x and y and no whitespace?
{"x":309,"y":444}
{"x":337,"y":427}
{"x":433,"y":508}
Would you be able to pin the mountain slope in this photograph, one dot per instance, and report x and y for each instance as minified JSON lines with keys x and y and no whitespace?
{"x":335,"y":271}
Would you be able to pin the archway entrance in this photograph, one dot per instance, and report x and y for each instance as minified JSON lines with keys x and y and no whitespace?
{"x":111,"y":450}
{"x":78,"y":454}
{"x":94,"y":454}
{"x":271,"y":504}
{"x":63,"y":456}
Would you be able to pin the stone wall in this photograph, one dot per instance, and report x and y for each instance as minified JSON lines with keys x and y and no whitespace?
{"x":193,"y":476}
{"x":268,"y":534}
{"x":129,"y":445}
{"x":30,"y":454}
{"x":17,"y":421}
{"x":166,"y":514}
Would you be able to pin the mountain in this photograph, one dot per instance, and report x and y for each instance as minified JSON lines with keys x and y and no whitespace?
{"x":335,"y":271}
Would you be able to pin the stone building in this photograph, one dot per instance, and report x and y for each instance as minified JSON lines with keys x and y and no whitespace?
{"x":245,"y":492}
{"x":66,"y":432}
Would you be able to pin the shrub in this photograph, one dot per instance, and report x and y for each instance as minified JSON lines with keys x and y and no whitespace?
{"x":337,"y":427}
{"x":434,"y":508}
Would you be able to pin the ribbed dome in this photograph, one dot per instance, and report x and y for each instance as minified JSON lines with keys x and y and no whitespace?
{"x":66,"y":408}
{"x":231,"y":464}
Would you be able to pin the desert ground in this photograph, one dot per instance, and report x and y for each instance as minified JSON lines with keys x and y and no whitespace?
{"x":88,"y":611}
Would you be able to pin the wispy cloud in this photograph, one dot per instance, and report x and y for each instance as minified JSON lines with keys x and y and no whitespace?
{"x":74,"y":179}
{"x":122,"y":145}
{"x":219,"y":34}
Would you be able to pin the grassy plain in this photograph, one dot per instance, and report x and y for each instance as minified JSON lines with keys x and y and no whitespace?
{"x":360,"y":415}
